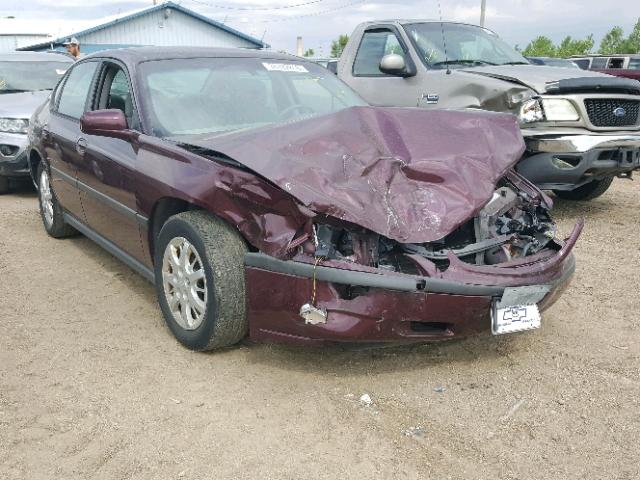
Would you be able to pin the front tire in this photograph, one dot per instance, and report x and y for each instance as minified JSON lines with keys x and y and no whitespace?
{"x":50,"y":209}
{"x":588,"y":191}
{"x":199,"y":273}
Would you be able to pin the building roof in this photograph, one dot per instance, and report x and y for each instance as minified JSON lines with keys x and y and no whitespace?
{"x":111,"y":21}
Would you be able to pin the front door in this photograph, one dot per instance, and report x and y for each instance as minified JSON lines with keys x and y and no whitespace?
{"x":376,"y":87}
{"x":106,"y":177}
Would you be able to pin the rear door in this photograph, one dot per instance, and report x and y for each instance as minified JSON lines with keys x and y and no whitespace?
{"x":106,"y":176}
{"x":65,"y":151}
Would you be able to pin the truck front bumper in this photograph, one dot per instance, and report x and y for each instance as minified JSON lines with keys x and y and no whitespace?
{"x":13,"y":155}
{"x":567,"y":161}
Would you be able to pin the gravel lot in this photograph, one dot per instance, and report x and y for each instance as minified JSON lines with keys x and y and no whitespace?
{"x":92,"y":384}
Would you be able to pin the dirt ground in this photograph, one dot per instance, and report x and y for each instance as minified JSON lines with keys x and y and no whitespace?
{"x":92,"y":384}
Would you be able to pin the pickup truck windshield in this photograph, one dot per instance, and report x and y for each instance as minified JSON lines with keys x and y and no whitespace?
{"x":466,"y":46}
{"x":217,"y":95}
{"x":29,"y":76}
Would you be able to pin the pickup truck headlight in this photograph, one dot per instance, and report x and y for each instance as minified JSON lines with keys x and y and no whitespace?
{"x":531,"y":111}
{"x":13,"y":125}
{"x":559,"y":110}
{"x":548,"y":109}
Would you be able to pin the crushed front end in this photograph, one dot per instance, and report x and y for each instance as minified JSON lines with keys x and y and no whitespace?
{"x":348,"y":284}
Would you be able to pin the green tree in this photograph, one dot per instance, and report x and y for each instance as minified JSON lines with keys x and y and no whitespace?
{"x":612,"y":42}
{"x":569,"y":46}
{"x":540,"y":47}
{"x":310,"y":52}
{"x":337,"y":46}
{"x":632,"y":43}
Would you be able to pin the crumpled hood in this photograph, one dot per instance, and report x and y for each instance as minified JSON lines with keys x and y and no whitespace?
{"x":406,"y":173}
{"x":22,"y":104}
{"x":535,"y":77}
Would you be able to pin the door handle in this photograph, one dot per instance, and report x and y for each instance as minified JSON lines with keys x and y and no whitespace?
{"x":81,"y":146}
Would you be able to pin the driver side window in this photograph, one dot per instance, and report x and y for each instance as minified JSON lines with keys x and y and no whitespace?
{"x":375,"y":44}
{"x":115,"y":93}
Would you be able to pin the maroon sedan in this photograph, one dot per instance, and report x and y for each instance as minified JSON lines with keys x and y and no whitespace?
{"x":262,"y":196}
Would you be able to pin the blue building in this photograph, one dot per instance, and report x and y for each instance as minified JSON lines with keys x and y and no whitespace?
{"x":166,"y":24}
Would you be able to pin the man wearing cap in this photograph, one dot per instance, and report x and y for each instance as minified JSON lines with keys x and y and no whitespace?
{"x":73,"y":47}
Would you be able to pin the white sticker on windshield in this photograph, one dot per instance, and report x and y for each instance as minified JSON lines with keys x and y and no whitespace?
{"x":60,"y":72}
{"x":285,"y":67}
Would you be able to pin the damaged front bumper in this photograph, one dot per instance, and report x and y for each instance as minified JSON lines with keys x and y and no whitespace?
{"x":392,"y":306}
{"x":568,"y":160}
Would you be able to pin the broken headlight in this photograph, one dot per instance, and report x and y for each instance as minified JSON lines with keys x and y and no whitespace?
{"x":531,"y":111}
{"x":548,"y":109}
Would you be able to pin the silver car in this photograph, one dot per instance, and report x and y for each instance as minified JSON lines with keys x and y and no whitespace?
{"x":26,"y":80}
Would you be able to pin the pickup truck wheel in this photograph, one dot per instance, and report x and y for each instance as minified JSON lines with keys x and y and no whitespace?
{"x":588,"y":191}
{"x":199,"y":273}
{"x":50,"y":209}
{"x":4,"y":184}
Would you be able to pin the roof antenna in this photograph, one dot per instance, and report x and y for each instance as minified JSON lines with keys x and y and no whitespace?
{"x":444,"y":40}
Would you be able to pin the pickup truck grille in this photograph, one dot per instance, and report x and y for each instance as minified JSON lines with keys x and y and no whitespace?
{"x":611,"y":112}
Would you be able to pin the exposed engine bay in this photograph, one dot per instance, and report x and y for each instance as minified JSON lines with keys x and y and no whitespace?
{"x":510,"y":226}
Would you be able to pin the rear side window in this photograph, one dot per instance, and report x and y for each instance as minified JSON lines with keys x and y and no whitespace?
{"x":634,"y":64}
{"x":616,"y":63}
{"x":583,"y":63}
{"x":599,"y":62}
{"x":375,"y":44}
{"x":73,"y":97}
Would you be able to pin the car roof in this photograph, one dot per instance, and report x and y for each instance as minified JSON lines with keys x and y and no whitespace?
{"x":135,"y":55}
{"x":35,"y":57}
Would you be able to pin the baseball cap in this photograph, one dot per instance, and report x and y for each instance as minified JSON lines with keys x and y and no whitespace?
{"x":71,"y":41}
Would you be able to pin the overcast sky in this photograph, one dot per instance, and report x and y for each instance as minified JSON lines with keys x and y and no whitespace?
{"x":320,"y":21}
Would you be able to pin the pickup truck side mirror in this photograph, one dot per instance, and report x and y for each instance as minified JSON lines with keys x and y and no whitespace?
{"x":106,"y":123}
{"x":394,"y":64}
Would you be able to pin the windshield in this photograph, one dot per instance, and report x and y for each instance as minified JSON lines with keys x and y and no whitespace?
{"x":466,"y":46}
{"x":215,"y":95}
{"x":28,"y":76}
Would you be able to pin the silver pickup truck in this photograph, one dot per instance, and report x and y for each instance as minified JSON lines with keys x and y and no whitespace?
{"x":582,"y":128}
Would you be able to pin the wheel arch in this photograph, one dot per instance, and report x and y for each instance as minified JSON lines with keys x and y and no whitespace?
{"x":34,"y":159}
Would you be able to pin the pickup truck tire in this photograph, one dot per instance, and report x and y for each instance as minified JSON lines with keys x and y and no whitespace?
{"x":199,"y":276}
{"x":50,"y":209}
{"x":588,"y":191}
{"x":4,"y":184}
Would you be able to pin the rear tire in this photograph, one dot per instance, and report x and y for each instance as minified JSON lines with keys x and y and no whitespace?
{"x":4,"y":184}
{"x":199,"y":273}
{"x":588,"y":191}
{"x":50,"y":209}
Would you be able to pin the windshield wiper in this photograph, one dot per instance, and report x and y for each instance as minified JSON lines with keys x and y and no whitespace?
{"x":13,"y":90}
{"x":515,"y":63}
{"x":464,"y":62}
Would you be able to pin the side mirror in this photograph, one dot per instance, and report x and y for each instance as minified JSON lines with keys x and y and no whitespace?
{"x":106,"y":123}
{"x":394,"y":64}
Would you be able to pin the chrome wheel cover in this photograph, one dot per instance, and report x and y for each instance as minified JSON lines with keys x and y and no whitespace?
{"x":46,"y":199}
{"x":184,"y":283}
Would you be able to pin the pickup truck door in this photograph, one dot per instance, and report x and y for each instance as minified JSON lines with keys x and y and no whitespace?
{"x":107,"y":174}
{"x":365,"y":77}
{"x":62,"y":135}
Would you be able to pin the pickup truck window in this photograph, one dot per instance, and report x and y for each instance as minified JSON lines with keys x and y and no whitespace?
{"x":616,"y":62}
{"x":599,"y":62}
{"x":375,"y":44}
{"x":466,"y":46}
{"x":76,"y":89}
